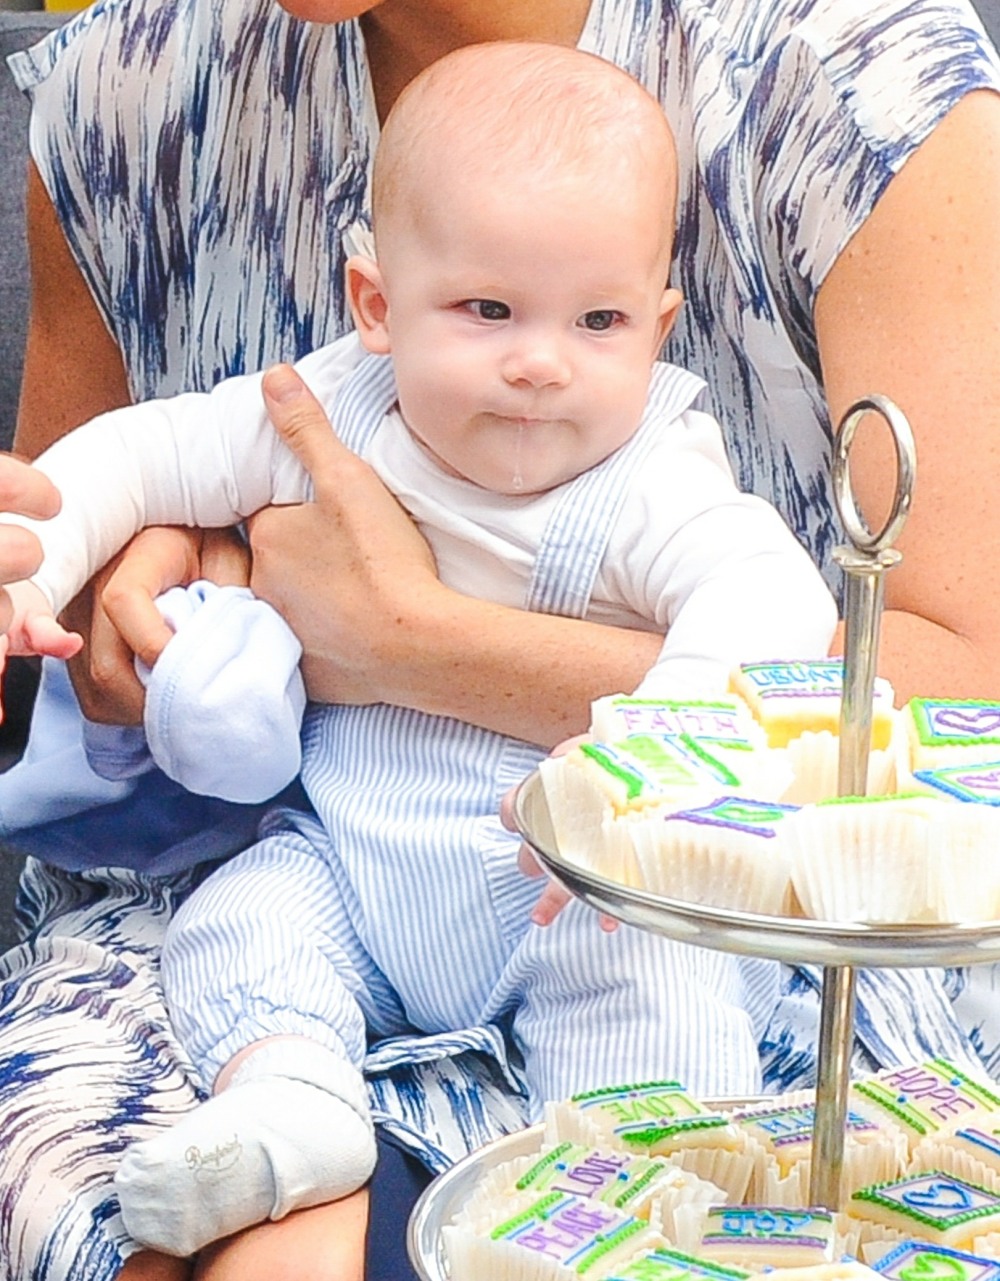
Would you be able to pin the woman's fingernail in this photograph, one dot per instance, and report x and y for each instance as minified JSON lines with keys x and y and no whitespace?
{"x":282,"y":383}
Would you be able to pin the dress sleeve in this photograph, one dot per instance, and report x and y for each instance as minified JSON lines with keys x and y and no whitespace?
{"x":203,"y":159}
{"x":837,"y":111}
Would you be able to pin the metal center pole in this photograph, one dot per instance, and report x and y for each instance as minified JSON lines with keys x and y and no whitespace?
{"x":864,"y":563}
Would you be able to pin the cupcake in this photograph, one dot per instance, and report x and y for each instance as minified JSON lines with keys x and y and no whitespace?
{"x":872,"y":858}
{"x":936,"y":732}
{"x":726,"y":854}
{"x":759,"y":1236}
{"x":657,"y":1118}
{"x":797,"y":704}
{"x":781,"y":1138}
{"x":556,"y":1238}
{"x":933,"y":1206}
{"x":596,"y":789}
{"x":635,"y":1185}
{"x":925,"y":1099}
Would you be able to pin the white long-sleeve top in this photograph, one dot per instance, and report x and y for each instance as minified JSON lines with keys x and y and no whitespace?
{"x":716,"y":570}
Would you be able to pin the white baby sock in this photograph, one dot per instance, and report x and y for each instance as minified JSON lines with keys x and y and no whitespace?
{"x":291,"y":1129}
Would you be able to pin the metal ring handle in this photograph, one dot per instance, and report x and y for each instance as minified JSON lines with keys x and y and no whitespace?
{"x":906,"y":464}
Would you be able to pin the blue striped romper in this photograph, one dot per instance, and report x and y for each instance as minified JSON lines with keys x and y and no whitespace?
{"x":402,"y":908}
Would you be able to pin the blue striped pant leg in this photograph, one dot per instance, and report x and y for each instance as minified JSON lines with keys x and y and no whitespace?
{"x":591,"y":1008}
{"x":267,"y":946}
{"x":88,"y":1065}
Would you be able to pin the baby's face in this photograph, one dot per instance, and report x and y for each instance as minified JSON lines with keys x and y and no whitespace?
{"x":523,"y":325}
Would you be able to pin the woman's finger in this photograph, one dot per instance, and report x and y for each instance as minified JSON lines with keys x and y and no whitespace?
{"x":20,"y":553}
{"x":26,"y":491}
{"x":156,"y":560}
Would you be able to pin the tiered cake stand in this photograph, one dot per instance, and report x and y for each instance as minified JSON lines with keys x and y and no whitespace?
{"x":837,"y":947}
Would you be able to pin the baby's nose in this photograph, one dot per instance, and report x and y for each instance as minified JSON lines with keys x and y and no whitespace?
{"x":537,"y":361}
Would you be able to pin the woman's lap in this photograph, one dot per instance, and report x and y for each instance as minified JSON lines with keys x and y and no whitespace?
{"x":89,"y":1064}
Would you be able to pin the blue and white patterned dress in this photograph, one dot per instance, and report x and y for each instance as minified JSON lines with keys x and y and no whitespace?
{"x":204,"y":160}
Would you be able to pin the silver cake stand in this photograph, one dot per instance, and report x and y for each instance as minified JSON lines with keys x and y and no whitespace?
{"x":839,"y":948}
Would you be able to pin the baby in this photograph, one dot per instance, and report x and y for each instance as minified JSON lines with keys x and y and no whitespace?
{"x":503,"y":381}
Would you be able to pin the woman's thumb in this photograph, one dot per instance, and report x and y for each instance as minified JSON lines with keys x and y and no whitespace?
{"x":298,"y":417}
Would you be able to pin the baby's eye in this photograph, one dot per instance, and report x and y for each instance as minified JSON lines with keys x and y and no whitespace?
{"x":489,"y":309}
{"x":596,"y":321}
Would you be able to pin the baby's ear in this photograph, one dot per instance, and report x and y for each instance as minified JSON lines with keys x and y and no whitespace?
{"x":366,"y":295}
{"x":670,"y":305}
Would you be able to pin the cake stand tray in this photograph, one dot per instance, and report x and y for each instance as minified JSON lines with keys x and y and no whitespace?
{"x":444,"y":1196}
{"x":793,"y":939}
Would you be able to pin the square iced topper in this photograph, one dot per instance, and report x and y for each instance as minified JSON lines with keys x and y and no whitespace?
{"x":955,"y":722}
{"x":654,"y":1115}
{"x":940,"y":1207}
{"x":616,"y":1178}
{"x":921,"y":1261}
{"x":718,"y":723}
{"x":972,"y":783}
{"x":674,"y":1265}
{"x":777,"y":1235}
{"x":574,"y":1232}
{"x":925,"y":1098}
{"x":786,"y":1133}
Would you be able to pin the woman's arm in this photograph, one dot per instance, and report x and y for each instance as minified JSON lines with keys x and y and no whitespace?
{"x":911,"y":309}
{"x":358,"y":586}
{"x":72,"y":366}
{"x":73,"y":371}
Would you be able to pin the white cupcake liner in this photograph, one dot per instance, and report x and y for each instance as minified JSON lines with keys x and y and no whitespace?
{"x":939,"y":1152}
{"x":874,"y":1251}
{"x":814,"y":759}
{"x":714,"y":866}
{"x":577,"y":809}
{"x":729,"y":1170}
{"x":685,"y":1189}
{"x":495,"y":1199}
{"x":864,"y":862}
{"x":966,"y":838}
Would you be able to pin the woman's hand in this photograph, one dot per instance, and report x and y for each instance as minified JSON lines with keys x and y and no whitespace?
{"x":24,"y":492}
{"x":349,"y":571}
{"x":119,"y":620}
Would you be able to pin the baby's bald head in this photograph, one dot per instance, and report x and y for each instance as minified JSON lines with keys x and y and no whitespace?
{"x":515,"y":116}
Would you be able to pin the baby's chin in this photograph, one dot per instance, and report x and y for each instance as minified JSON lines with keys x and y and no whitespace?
{"x":525,"y":480}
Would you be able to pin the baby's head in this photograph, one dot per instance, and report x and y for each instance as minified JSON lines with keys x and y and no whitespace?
{"x":523,"y":207}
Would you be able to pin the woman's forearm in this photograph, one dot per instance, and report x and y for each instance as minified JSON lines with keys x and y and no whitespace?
{"x":921,"y":658}
{"x":529,"y":675}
